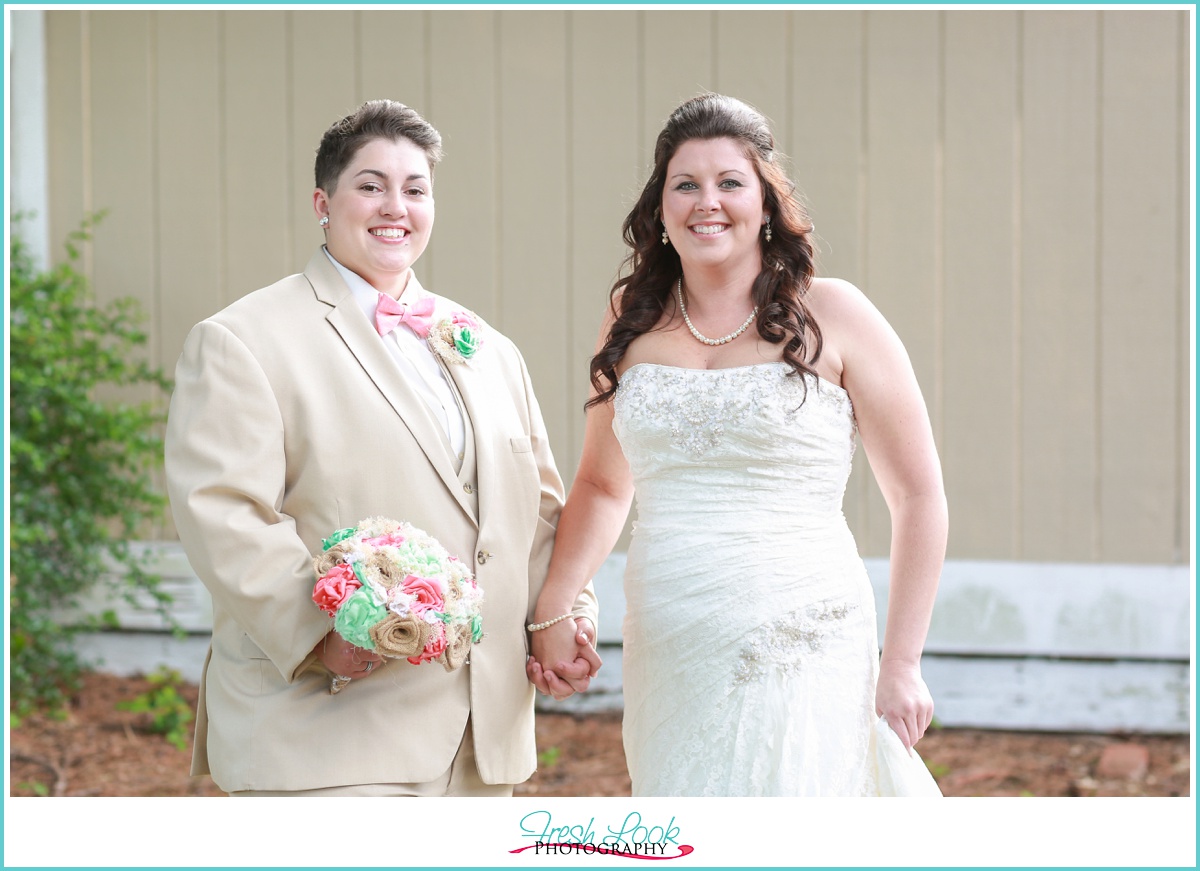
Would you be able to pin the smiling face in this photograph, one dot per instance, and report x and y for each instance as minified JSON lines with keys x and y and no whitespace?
{"x":380,"y":212}
{"x":712,"y":205}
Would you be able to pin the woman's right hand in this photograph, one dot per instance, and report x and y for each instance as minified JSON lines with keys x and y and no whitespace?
{"x":903,"y":699}
{"x":564,"y":659}
{"x":342,"y":658}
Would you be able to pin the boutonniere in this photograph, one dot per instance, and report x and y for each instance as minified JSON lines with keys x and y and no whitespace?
{"x":456,"y":338}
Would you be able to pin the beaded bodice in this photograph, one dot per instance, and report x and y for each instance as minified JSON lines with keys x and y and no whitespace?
{"x":741,"y":435}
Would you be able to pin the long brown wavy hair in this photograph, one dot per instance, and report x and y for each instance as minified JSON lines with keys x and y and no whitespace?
{"x":643,"y":293}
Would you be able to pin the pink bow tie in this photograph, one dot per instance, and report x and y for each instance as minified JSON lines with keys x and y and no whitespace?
{"x":390,"y":313}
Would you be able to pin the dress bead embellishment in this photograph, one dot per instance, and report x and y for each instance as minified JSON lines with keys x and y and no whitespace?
{"x":696,"y":415}
{"x":784,"y":643}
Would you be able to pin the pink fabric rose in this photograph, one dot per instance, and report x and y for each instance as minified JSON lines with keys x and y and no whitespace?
{"x":334,"y":587}
{"x":462,"y":319}
{"x":434,"y":647}
{"x":393,"y":539}
{"x":426,"y":593}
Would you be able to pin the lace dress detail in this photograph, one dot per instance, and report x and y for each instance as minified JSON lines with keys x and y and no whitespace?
{"x":786,"y":644}
{"x":750,"y":653}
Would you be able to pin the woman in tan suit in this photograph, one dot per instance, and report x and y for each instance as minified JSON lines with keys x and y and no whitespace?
{"x":309,"y":405}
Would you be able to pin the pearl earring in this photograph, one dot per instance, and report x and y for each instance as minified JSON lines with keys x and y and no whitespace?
{"x":666,"y":239}
{"x":324,"y":222}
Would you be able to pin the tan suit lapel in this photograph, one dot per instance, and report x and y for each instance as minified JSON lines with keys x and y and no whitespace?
{"x":472,"y":388}
{"x":360,"y":337}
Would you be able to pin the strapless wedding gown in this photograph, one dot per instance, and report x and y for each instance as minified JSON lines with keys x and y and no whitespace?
{"x":750,"y":650}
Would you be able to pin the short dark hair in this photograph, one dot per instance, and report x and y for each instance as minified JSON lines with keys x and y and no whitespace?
{"x":374,"y":119}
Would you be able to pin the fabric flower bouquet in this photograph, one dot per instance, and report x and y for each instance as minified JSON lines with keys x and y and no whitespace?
{"x":392,"y":588}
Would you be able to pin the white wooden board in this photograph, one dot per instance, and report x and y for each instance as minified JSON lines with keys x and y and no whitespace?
{"x":1028,"y":646}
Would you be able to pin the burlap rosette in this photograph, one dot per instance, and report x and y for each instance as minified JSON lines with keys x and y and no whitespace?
{"x":458,"y":645}
{"x":400,"y":636}
{"x":326,"y":560}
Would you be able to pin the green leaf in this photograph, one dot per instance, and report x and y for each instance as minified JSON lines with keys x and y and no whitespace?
{"x":169,"y":712}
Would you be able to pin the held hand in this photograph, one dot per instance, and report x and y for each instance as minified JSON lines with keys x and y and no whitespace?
{"x":902,"y":698}
{"x":547,"y":682}
{"x":570,"y":647}
{"x":341,"y":657}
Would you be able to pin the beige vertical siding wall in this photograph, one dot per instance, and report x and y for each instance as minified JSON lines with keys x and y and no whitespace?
{"x":1010,"y":187}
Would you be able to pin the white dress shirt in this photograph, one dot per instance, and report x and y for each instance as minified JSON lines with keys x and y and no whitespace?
{"x":411,"y":353}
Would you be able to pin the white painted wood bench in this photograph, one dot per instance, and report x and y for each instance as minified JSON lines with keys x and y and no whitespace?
{"x":1012,"y":645}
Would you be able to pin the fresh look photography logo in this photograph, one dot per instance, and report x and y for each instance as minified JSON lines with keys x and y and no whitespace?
{"x":633,"y":838}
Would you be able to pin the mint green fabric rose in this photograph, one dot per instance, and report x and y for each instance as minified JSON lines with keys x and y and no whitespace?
{"x":356,"y":616}
{"x":466,"y":341}
{"x":338,"y":537}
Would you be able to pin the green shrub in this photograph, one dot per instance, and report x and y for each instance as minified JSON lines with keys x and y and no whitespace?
{"x":169,"y":712}
{"x":80,"y":465}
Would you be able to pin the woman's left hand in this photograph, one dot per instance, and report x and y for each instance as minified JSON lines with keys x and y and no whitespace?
{"x":564,"y":658}
{"x":903,"y":699}
{"x":340,"y":657}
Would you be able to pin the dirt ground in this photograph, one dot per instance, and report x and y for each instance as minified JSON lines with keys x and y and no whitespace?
{"x":97,"y":750}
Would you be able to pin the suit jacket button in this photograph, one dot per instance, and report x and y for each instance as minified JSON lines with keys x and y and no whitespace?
{"x":483,"y":556}
{"x":468,"y":489}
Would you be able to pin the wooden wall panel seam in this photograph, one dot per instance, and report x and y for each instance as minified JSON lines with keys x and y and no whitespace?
{"x":1098,"y":326}
{"x":1018,"y":269}
{"x":1185,"y":313}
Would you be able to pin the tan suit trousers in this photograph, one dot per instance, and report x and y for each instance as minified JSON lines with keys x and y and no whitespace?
{"x":460,"y":779}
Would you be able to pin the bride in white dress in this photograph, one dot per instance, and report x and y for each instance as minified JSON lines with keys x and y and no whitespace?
{"x":729,"y":384}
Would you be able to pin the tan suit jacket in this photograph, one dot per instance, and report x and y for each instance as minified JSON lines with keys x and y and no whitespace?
{"x":291,"y":420}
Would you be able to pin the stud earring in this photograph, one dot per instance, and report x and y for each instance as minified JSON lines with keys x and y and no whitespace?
{"x":324,"y":222}
{"x":666,"y":239}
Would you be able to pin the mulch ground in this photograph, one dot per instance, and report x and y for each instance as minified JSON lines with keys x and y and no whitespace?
{"x":95,"y":749}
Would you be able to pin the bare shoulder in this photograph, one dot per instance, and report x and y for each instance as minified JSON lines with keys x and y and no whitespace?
{"x":609,"y":315}
{"x":846,"y":315}
{"x":850,"y":325}
{"x":836,"y":303}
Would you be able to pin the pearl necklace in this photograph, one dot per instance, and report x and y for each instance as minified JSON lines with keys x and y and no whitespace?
{"x":703,"y":338}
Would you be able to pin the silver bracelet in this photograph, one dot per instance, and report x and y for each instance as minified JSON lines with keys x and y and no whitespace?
{"x":534,"y":627}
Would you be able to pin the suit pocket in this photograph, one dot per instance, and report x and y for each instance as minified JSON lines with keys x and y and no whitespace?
{"x":521,"y":444}
{"x":250,"y":650}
